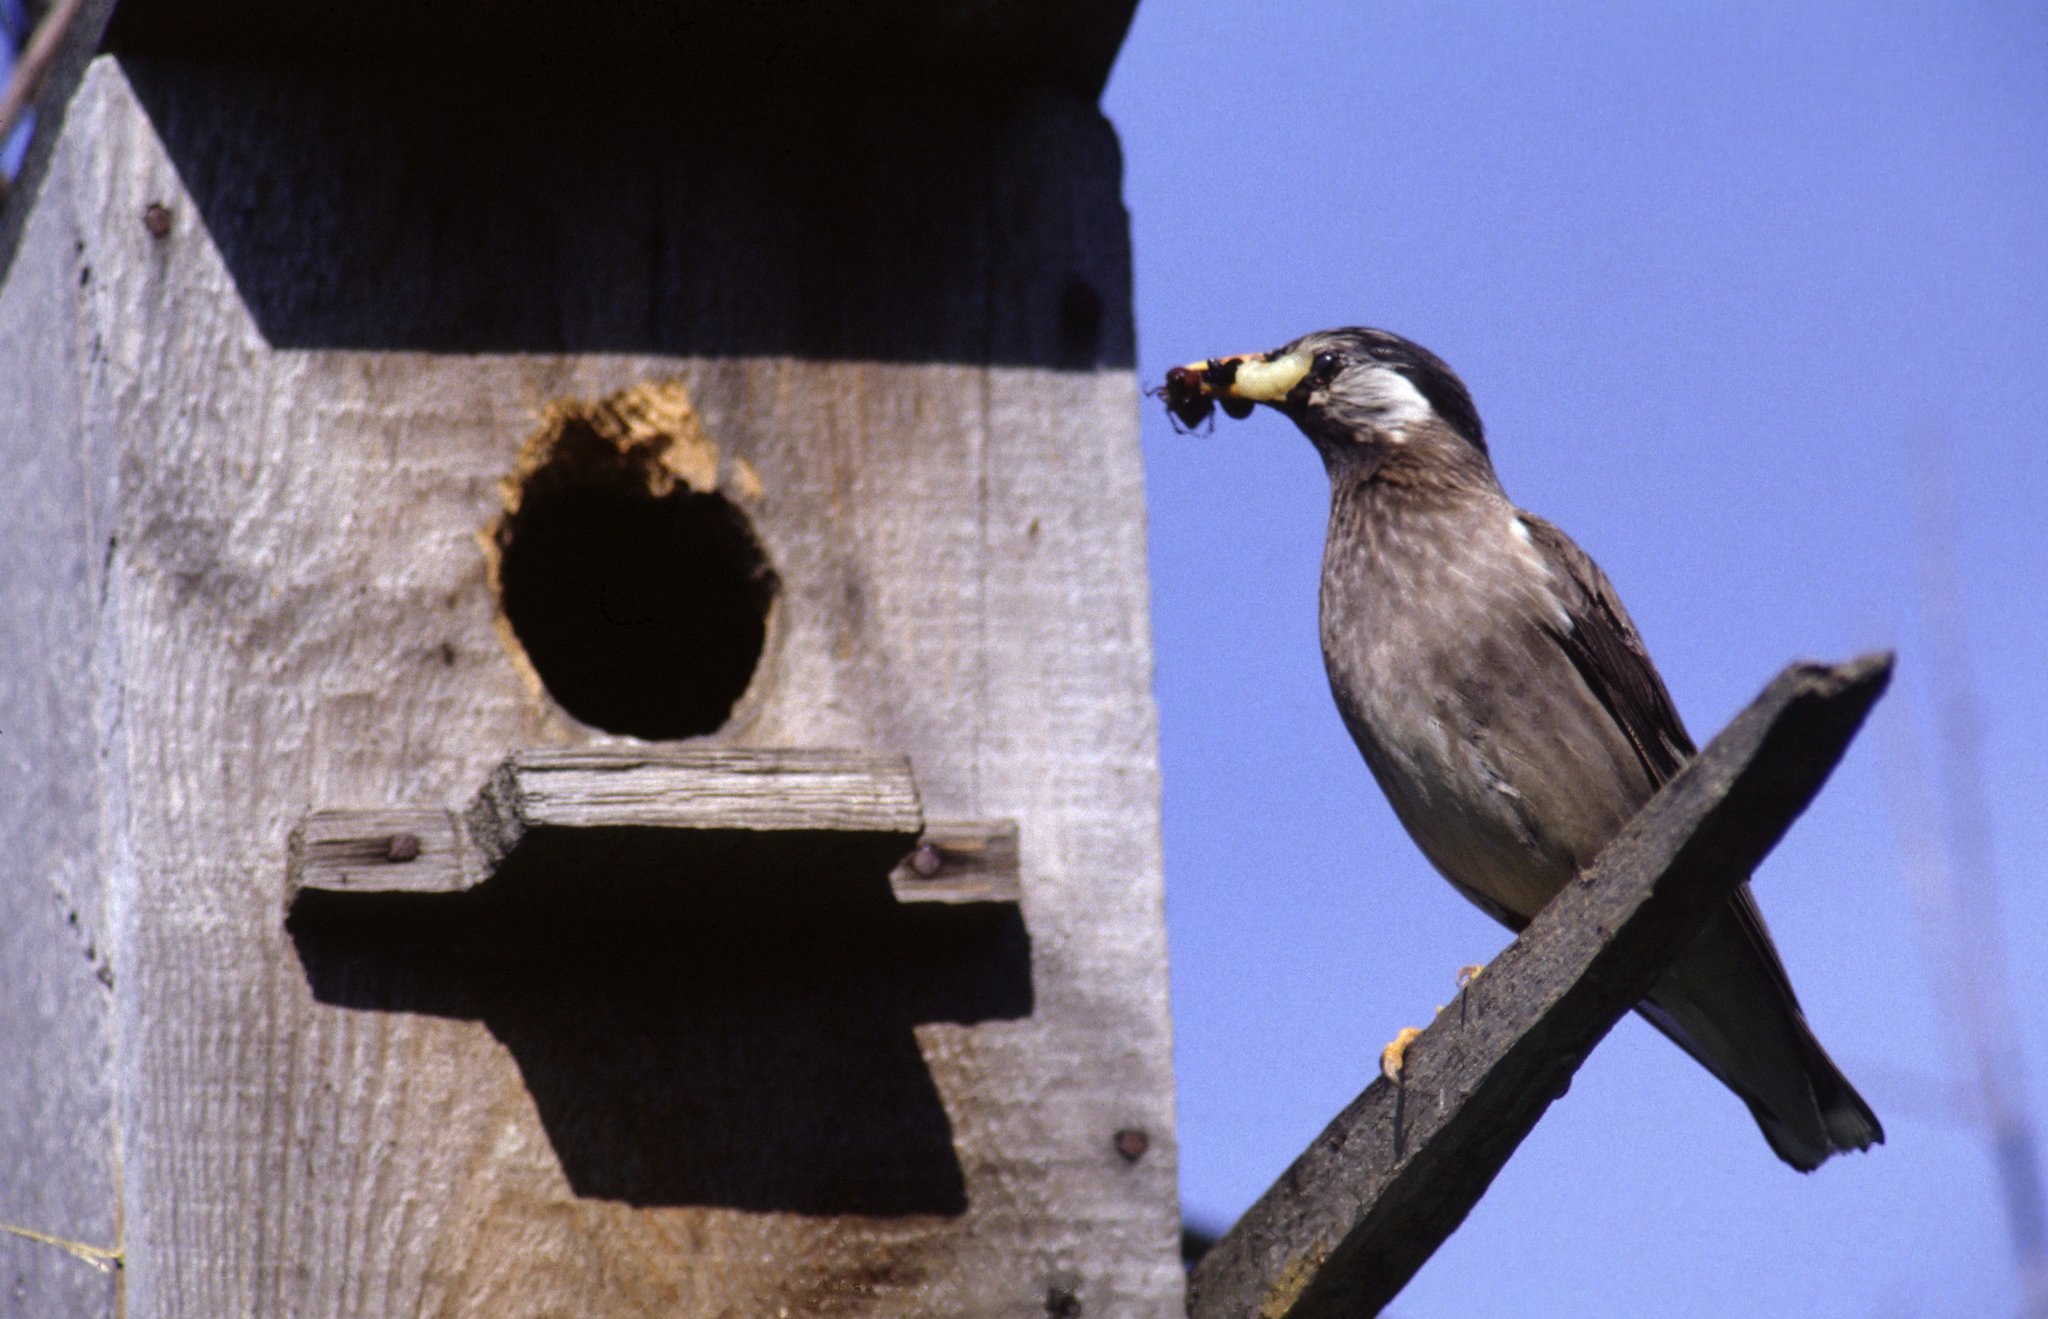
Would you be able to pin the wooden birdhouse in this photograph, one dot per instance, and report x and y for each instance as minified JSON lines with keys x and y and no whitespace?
{"x":577,"y":708}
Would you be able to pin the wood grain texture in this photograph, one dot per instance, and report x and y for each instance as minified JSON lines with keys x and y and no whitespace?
{"x":1395,"y":1173}
{"x":398,"y":851}
{"x":394,"y":850}
{"x":58,"y":816}
{"x":961,"y":861}
{"x":935,"y":440}
{"x":718,"y":790}
{"x":757,"y":790}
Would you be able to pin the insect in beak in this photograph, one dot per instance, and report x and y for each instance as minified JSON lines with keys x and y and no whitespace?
{"x":1193,"y":392}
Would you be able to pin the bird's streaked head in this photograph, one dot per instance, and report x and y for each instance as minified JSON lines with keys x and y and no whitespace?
{"x":1347,"y":389}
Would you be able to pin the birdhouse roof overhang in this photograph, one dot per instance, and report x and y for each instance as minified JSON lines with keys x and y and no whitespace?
{"x":979,"y":50}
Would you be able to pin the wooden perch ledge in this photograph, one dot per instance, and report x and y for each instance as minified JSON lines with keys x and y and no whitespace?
{"x":1370,"y":1200}
{"x":720,"y":792}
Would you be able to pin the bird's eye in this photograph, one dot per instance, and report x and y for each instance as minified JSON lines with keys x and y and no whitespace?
{"x":1325,"y":366}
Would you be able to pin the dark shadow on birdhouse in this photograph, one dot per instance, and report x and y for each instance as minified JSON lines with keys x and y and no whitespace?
{"x":730,"y":1024}
{"x":636,"y":590}
{"x":661,"y":214}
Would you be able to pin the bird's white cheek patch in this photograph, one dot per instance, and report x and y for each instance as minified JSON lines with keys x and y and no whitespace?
{"x":1397,"y":403}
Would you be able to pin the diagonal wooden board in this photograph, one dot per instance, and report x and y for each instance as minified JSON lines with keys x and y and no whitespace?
{"x":1394,"y":1174}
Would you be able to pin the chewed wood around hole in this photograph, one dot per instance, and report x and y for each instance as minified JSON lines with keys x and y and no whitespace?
{"x":633,"y":585}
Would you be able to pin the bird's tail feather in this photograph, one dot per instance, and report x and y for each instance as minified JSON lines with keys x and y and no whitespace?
{"x":1851,"y":1123}
{"x":1727,"y":1002}
{"x":1847,"y":1120}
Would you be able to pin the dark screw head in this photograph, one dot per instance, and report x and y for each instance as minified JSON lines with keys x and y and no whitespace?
{"x":1132,"y":1144}
{"x":156,"y":217}
{"x":402,"y":847}
{"x":926,"y":861}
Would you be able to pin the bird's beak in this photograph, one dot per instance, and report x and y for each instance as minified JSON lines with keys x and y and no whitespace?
{"x":1235,"y":382}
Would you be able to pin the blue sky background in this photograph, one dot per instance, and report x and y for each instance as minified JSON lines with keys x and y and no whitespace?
{"x":1721,"y":282}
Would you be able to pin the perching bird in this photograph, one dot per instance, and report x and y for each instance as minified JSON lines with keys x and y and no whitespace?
{"x":1503,"y":700}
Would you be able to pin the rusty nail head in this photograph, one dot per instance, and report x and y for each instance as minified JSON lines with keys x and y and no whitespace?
{"x":1132,"y":1144}
{"x":402,"y":847}
{"x":926,"y":861}
{"x":156,"y":217}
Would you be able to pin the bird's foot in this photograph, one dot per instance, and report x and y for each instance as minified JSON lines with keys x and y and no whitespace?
{"x":1395,"y":1053}
{"x":1466,"y":975}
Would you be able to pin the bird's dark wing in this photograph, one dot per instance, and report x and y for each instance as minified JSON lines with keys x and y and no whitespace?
{"x":1604,"y":648}
{"x":1737,"y":949}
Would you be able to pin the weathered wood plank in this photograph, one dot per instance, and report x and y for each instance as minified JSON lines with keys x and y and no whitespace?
{"x":1396,"y":1172}
{"x":756,"y":790}
{"x":395,"y":850}
{"x":415,"y":850}
{"x":961,"y":861}
{"x":58,"y":1165}
{"x":1068,"y":731}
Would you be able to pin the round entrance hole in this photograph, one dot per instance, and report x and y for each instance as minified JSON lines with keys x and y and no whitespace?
{"x":641,"y":602}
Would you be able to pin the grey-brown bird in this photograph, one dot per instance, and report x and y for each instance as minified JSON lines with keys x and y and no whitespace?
{"x":1503,"y":700}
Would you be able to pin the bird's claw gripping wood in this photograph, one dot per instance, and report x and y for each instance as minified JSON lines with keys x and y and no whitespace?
{"x":1396,"y":1053}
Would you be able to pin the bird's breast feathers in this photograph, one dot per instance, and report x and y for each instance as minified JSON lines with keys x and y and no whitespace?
{"x":1438,"y":635}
